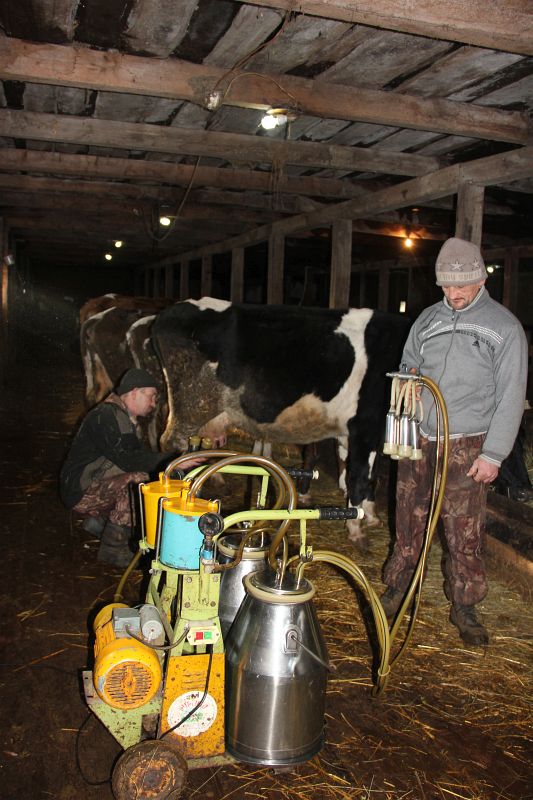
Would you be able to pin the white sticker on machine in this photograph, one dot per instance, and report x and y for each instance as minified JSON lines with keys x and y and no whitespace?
{"x":197,"y":723}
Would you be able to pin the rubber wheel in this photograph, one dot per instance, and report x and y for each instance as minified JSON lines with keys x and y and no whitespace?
{"x":149,"y":770}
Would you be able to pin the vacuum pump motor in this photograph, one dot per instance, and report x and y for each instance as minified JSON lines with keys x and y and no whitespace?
{"x":127,"y":673}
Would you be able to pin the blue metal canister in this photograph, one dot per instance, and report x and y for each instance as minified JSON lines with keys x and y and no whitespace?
{"x":181,"y":539}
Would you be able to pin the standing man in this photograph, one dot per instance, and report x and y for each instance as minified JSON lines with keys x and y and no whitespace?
{"x":476,"y":351}
{"x":105,"y":457}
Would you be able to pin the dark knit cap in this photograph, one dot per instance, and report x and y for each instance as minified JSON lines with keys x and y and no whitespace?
{"x":135,"y":379}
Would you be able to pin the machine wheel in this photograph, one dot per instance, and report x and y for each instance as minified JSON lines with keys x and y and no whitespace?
{"x":150,"y":770}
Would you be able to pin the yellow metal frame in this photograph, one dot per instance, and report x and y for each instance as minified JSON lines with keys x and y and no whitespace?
{"x":202,"y":735}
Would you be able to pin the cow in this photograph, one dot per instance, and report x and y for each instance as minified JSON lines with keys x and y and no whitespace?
{"x":140,"y":348}
{"x":283,"y":374}
{"x":127,"y":302}
{"x":104,"y":322}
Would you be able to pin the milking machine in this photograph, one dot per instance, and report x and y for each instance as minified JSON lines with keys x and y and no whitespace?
{"x":225,"y":659}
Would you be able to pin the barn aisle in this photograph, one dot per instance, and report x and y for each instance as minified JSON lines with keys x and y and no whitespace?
{"x":455,"y":722}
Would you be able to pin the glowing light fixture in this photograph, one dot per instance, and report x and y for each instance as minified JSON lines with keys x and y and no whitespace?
{"x":403,"y":306}
{"x":408,"y":242}
{"x":119,"y":243}
{"x":165,"y":221}
{"x":275,"y":117}
{"x":108,"y":256}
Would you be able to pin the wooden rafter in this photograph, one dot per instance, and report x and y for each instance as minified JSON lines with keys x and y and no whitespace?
{"x":497,"y":25}
{"x":233,"y":147}
{"x":85,"y":166}
{"x":484,"y":172}
{"x":205,"y":85}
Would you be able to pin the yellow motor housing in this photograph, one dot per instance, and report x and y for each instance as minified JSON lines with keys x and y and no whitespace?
{"x":126,"y":673}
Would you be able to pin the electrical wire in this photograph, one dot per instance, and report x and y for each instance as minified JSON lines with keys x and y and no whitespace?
{"x":151,"y":232}
{"x":157,"y":646}
{"x":242,"y":61}
{"x":77,"y":755}
{"x":198,"y":705}
{"x":261,"y":75}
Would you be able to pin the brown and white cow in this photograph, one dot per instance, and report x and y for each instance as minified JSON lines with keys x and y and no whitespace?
{"x":104,"y":348}
{"x":282,"y":374}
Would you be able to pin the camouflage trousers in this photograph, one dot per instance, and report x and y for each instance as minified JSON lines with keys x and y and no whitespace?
{"x":462,"y":516}
{"x":110,"y":498}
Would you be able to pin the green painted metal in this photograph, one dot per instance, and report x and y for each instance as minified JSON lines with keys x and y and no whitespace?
{"x":125,"y":726}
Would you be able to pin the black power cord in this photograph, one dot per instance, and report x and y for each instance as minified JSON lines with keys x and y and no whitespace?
{"x":198,"y":704}
{"x":77,"y":755}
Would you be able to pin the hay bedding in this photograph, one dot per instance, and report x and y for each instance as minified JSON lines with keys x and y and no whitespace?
{"x":454,"y":723}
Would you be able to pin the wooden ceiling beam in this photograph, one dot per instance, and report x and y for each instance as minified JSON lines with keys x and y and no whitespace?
{"x":486,"y":171}
{"x":236,"y":148}
{"x":31,"y":183}
{"x":500,"y":26}
{"x":85,"y":166}
{"x":208,"y":86}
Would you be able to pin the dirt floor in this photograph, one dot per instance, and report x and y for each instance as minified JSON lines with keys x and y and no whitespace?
{"x":455,"y":722}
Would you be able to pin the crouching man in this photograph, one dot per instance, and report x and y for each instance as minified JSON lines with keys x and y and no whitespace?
{"x":106,"y":457}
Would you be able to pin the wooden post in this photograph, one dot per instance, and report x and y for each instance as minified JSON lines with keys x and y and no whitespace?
{"x":341,"y":263}
{"x":156,"y":287}
{"x":469,"y":216}
{"x":410,"y":287}
{"x":169,"y":281}
{"x":206,"y":285}
{"x":276,"y":259}
{"x":237,"y":275}
{"x":362,"y":286}
{"x":510,"y":271}
{"x":5,"y":273}
{"x":139,"y":281}
{"x":4,"y":302}
{"x":383,"y":293}
{"x":147,"y":278}
{"x":184,"y":280}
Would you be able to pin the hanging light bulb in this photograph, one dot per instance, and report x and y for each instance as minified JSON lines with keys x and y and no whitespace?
{"x":268,"y":122}
{"x":408,"y":242}
{"x":108,"y":256}
{"x":118,"y":243}
{"x":275,"y":117}
{"x":165,"y":221}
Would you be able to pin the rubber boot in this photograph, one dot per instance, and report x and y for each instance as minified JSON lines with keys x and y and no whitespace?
{"x":114,"y":545}
{"x":94,"y":526}
{"x":470,"y":628}
{"x":391,"y":600}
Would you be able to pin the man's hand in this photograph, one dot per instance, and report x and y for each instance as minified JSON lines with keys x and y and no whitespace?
{"x":483,"y":471}
{"x":193,"y":461}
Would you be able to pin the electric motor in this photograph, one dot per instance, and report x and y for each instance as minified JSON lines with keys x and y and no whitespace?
{"x":127,"y":673}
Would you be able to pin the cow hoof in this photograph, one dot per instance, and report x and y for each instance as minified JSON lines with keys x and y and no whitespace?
{"x":373,"y":522}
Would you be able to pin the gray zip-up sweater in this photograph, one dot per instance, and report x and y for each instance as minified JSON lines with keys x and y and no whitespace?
{"x":478,"y":358}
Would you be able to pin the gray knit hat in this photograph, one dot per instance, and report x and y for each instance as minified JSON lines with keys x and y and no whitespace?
{"x":135,"y":379}
{"x":459,"y":263}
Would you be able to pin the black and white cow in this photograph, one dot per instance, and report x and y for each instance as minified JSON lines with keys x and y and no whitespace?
{"x":282,"y":374}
